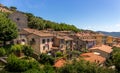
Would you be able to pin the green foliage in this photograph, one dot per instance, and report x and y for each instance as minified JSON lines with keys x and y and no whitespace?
{"x":19,"y":65}
{"x":75,"y":53}
{"x":16,"y":48}
{"x":48,"y":69}
{"x":2,"y":52}
{"x":39,"y":23}
{"x":34,"y":71}
{"x":115,"y":58}
{"x":46,"y":59}
{"x":8,"y":29}
{"x":27,"y":50}
{"x":116,"y":49}
{"x":13,"y":8}
{"x":59,"y":54}
{"x":83,"y":67}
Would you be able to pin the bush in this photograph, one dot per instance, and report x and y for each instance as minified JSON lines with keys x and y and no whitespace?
{"x":16,"y":48}
{"x":46,"y":59}
{"x":83,"y":67}
{"x":27,"y":50}
{"x":34,"y":71}
{"x":48,"y":69}
{"x":59,"y":54}
{"x":2,"y":52}
{"x":19,"y":65}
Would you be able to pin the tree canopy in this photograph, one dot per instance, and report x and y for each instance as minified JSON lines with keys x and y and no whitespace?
{"x":8,"y":29}
{"x":39,"y":23}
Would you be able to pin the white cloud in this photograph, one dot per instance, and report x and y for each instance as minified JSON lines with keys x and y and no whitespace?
{"x":118,"y":25}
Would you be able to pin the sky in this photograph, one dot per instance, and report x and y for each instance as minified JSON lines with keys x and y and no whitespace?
{"x":97,"y":15}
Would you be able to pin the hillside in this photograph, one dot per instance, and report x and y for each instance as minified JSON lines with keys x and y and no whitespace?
{"x":115,"y":34}
{"x":40,"y":23}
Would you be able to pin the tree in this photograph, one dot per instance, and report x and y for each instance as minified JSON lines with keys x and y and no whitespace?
{"x":2,"y":52}
{"x":20,"y":65}
{"x":13,"y":8}
{"x":83,"y":67}
{"x":27,"y":50}
{"x":116,"y":60}
{"x":46,"y":59}
{"x":8,"y":29}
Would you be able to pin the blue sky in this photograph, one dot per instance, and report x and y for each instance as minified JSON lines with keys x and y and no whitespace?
{"x":86,"y":14}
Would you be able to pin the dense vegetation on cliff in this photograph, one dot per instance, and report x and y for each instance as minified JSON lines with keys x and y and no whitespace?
{"x":39,"y":23}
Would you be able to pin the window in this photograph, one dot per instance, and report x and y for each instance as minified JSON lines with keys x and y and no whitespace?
{"x":18,"y":29}
{"x":62,"y":41}
{"x":52,"y":39}
{"x":43,"y":47}
{"x":23,"y":40}
{"x":48,"y":40}
{"x":43,"y":41}
{"x":32,"y":41}
{"x":17,"y":19}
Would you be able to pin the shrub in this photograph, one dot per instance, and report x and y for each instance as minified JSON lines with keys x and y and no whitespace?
{"x":59,"y":54}
{"x":2,"y":52}
{"x":46,"y":59}
{"x":27,"y":50}
{"x":83,"y":67}
{"x":16,"y":48}
{"x":19,"y":65}
{"x":48,"y":69}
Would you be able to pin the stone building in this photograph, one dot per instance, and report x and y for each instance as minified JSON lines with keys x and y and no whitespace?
{"x":62,"y":43}
{"x":20,"y":19}
{"x":40,"y":41}
{"x":83,"y":41}
{"x":103,"y":50}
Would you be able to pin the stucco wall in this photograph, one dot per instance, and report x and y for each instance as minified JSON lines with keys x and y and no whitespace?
{"x":46,"y":44}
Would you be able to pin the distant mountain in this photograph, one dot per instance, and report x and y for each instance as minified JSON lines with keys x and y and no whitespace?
{"x":115,"y":34}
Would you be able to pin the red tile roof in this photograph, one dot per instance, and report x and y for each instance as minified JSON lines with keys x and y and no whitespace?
{"x":64,"y":37}
{"x":59,"y":63}
{"x":104,"y":48}
{"x":92,"y":57}
{"x":38,"y":33}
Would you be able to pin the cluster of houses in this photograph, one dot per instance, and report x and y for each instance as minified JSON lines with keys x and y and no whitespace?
{"x":46,"y":41}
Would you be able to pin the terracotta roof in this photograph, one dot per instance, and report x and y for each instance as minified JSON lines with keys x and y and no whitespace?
{"x":117,"y":45}
{"x":93,"y":58}
{"x":54,"y":48}
{"x":88,"y":39}
{"x":64,"y":37}
{"x":67,"y":38}
{"x":104,"y":48}
{"x":82,"y":34}
{"x":37,"y":32}
{"x":59,"y":63}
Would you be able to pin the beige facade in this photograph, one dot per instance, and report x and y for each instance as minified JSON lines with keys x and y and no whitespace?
{"x":63,"y":43}
{"x":109,"y":40}
{"x":41,"y":42}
